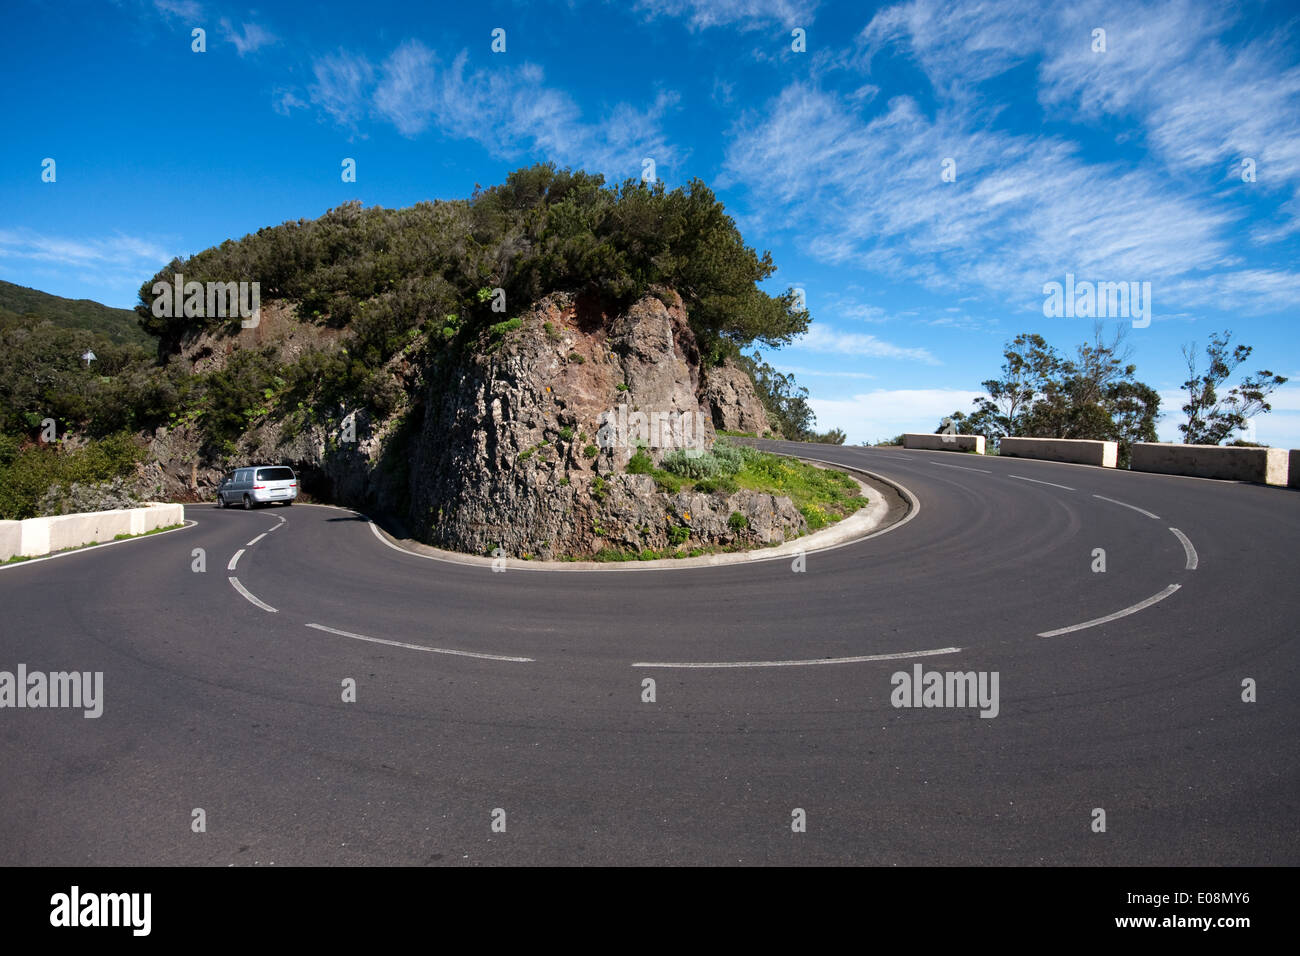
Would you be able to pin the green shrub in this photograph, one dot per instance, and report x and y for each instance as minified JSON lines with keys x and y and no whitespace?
{"x":498,"y":331}
{"x":723,"y":461}
{"x":40,"y":476}
{"x":566,"y":433}
{"x":721,"y":485}
{"x":591,"y":451}
{"x":640,"y":463}
{"x":738,"y":522}
{"x":679,"y":534}
{"x":667,"y":482}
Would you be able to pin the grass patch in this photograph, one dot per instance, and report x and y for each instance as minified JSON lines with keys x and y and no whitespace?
{"x":824,"y":494}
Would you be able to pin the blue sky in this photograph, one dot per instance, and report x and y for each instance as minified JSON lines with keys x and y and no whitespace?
{"x":1117,"y":165}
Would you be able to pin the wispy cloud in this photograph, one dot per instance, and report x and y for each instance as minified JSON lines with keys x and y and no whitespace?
{"x":342,"y":86}
{"x":820,"y":373}
{"x":1024,"y":209}
{"x":822,"y":338}
{"x":111,"y":268}
{"x":112,"y":251}
{"x":405,"y":95}
{"x":183,"y":9}
{"x":249,"y":38}
{"x":745,"y":14}
{"x":510,"y":110}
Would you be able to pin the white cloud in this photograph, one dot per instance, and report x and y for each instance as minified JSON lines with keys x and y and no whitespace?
{"x":746,"y":14}
{"x":1204,"y":104}
{"x":110,"y":251}
{"x":1024,"y":210}
{"x":404,"y":96}
{"x":108,"y":269}
{"x":250,"y":38}
{"x":822,"y":338}
{"x":185,"y":9}
{"x":820,"y":373}
{"x":858,"y":183}
{"x":285,"y":101}
{"x":883,"y":413}
{"x":341,"y":87}
{"x":509,"y":110}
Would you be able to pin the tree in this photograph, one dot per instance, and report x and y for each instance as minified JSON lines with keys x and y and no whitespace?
{"x":834,"y":436}
{"x":785,"y":402}
{"x":1134,"y":410}
{"x":1043,"y":395}
{"x":1030,"y":367}
{"x":1211,"y":419}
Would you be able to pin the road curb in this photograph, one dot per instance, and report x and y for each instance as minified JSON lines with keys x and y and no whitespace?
{"x":846,"y":532}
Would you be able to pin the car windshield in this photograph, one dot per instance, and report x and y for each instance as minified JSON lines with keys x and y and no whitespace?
{"x":275,"y":474}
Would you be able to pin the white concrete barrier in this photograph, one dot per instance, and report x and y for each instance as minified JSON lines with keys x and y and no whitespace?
{"x":944,"y":442}
{"x":11,"y":539}
{"x":1267,"y":466}
{"x":1078,"y":450}
{"x":40,"y":536}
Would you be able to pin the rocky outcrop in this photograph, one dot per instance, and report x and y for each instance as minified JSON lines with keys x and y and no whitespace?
{"x":733,"y":404}
{"x":528,"y":453}
{"x":520,"y":441}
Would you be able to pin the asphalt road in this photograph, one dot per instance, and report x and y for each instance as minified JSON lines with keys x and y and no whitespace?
{"x":212,"y":702}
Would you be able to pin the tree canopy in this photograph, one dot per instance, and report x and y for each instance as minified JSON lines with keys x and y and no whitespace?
{"x":1212,"y":419}
{"x":382,"y":272}
{"x":1042,"y":394}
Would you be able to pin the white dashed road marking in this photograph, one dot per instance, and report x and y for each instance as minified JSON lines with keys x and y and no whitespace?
{"x":235,"y":560}
{"x":960,"y":467}
{"x":258,"y":538}
{"x":1037,"y":482}
{"x":1116,"y":616}
{"x":1123,"y":505}
{"x":421,"y":647}
{"x":251,"y":599}
{"x":806,"y":663}
{"x":1192,"y":559}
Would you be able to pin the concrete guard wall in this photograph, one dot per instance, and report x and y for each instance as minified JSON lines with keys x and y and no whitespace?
{"x":1080,"y":451}
{"x":1266,"y":466}
{"x":34,"y":537}
{"x":945,"y":442}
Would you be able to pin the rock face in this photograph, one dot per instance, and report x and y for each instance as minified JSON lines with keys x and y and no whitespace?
{"x":733,"y":403}
{"x":527,"y":454}
{"x":522,"y":442}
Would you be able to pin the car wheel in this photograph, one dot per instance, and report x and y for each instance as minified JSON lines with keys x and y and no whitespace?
{"x":248,"y":503}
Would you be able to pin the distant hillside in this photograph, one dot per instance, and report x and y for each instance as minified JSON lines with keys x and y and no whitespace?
{"x":120,"y":326}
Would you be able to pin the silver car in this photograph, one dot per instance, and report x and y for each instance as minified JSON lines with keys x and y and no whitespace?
{"x":258,"y":485}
